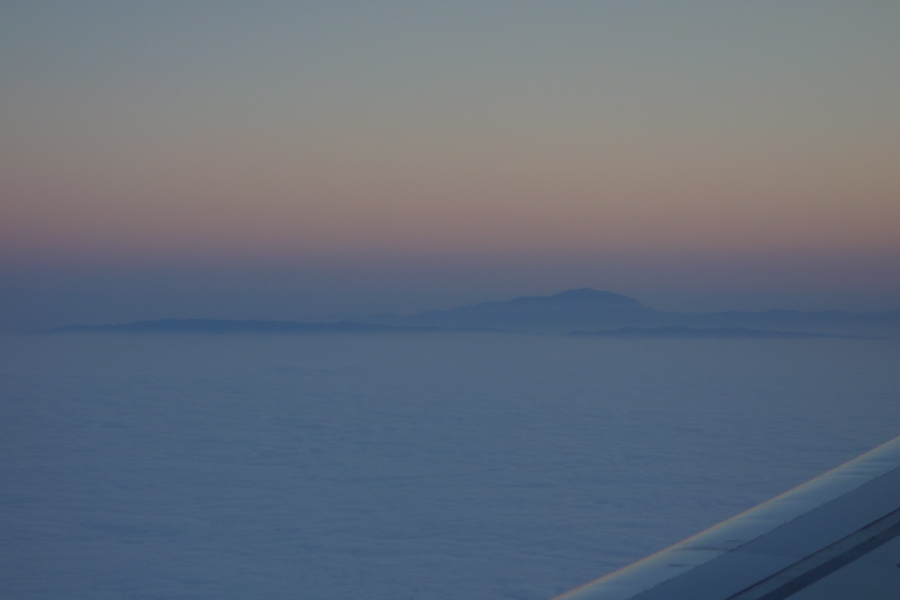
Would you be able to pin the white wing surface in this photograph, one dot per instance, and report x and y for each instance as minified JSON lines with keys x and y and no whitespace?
{"x":836,"y":537}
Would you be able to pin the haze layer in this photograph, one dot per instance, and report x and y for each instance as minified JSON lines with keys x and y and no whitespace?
{"x":508,"y":147}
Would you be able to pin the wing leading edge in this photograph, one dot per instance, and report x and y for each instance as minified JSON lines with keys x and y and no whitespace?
{"x":834,"y":537}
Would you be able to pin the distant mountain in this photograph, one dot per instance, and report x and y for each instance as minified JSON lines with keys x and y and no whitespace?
{"x":586,"y":309}
{"x":579,"y":297}
{"x":222,"y":326}
{"x":583,"y":308}
{"x":877,"y":324}
{"x":682,"y":332}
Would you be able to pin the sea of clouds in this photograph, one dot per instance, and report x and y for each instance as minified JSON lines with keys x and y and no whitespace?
{"x":401,"y":466}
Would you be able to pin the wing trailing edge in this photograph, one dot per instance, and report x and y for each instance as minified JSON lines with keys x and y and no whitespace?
{"x":834,"y":537}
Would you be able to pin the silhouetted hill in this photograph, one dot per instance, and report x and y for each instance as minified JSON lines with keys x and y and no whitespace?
{"x":222,"y":326}
{"x":579,"y":297}
{"x":682,"y":332}
{"x":583,"y":308}
{"x":836,"y":322}
{"x":586,"y":309}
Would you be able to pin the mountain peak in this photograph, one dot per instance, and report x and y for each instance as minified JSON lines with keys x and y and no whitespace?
{"x":592,"y":296}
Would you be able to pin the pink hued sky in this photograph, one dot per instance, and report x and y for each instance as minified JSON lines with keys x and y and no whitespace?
{"x":225,"y":159}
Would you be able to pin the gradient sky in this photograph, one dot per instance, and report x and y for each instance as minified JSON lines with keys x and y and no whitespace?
{"x":278,"y":159}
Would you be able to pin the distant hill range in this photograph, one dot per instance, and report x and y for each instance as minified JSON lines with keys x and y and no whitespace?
{"x":574,"y":309}
{"x":684,"y":332}
{"x":578,"y":312}
{"x":589,"y":310}
{"x":226,"y":326}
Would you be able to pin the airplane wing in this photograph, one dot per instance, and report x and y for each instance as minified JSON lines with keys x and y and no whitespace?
{"x":835,"y":537}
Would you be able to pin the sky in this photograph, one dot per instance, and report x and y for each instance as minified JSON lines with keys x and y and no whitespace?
{"x":293,"y":160}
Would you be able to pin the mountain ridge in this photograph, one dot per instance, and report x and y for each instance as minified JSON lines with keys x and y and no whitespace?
{"x":229,"y":326}
{"x":686,"y":332}
{"x":585,"y":310}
